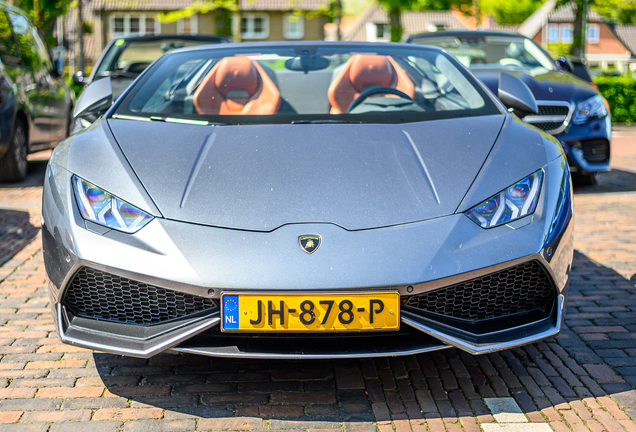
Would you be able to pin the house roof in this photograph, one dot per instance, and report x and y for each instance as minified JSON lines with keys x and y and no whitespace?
{"x":274,"y":5}
{"x":169,"y":5}
{"x":627,"y":35}
{"x":565,"y":13}
{"x":413,"y":22}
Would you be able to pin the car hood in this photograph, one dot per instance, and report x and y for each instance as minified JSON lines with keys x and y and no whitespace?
{"x":545,"y":84}
{"x":260,"y":177}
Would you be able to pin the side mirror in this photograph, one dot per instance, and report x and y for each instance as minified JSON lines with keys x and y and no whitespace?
{"x":564,"y":64}
{"x":94,"y":100}
{"x":78,"y":77}
{"x":515,"y":94}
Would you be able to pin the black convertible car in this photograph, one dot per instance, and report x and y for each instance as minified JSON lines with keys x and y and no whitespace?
{"x":569,"y":108}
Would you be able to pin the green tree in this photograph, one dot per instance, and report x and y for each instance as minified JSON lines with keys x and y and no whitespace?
{"x":621,"y":11}
{"x":504,"y":11}
{"x":44,"y":12}
{"x":510,"y":12}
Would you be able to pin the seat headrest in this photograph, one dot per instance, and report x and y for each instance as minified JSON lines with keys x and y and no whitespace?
{"x":371,"y":70}
{"x":236,"y":74}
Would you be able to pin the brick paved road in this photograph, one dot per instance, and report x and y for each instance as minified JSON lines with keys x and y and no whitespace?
{"x":582,"y":380}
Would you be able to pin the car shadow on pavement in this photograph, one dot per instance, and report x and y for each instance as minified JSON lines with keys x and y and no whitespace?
{"x":577,"y":377}
{"x":16,"y":231}
{"x":615,"y":180}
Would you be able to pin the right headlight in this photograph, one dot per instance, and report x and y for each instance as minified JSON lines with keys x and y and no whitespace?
{"x":103,"y":208}
{"x":588,"y":109}
{"x":515,"y":202}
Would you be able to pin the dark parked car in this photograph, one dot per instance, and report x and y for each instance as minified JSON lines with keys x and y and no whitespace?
{"x":124,"y":59}
{"x":35,"y":103}
{"x":570,"y":109}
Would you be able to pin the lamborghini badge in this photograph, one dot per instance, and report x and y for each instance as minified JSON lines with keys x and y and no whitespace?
{"x":309,"y":243}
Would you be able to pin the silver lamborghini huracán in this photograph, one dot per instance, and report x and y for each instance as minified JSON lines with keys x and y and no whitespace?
{"x":307,"y":200}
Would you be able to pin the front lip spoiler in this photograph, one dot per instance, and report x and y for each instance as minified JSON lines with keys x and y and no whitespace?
{"x":170,"y":341}
{"x":507,"y":339}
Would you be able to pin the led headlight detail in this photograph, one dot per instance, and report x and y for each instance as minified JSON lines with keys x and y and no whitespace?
{"x":588,"y":109}
{"x":517,"y":201}
{"x":100,"y":207}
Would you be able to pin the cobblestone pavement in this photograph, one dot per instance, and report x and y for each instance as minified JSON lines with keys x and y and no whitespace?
{"x":582,"y":380}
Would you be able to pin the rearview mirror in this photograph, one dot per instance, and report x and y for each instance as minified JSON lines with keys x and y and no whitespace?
{"x":564,"y":64}
{"x":78,"y":77}
{"x":94,"y":100}
{"x":515,"y":94}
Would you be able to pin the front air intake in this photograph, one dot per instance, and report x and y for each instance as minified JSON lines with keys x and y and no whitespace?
{"x":104,"y":296}
{"x":515,"y":290}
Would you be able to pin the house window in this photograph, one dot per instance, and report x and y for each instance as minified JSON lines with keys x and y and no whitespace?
{"x":187,"y":25}
{"x":118,"y":25}
{"x":593,"y":33}
{"x":254,"y":26}
{"x":133,"y":25}
{"x":382,"y":31}
{"x":566,"y":33}
{"x":150,"y":26}
{"x":553,"y":33}
{"x":294,"y":26}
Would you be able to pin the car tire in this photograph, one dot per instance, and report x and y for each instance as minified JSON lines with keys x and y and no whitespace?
{"x":13,"y":166}
{"x":584,"y":179}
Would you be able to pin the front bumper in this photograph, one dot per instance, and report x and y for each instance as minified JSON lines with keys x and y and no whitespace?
{"x":587,"y":146}
{"x":203,"y":261}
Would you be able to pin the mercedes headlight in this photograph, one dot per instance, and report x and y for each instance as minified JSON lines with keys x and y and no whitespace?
{"x":100,"y":207}
{"x":515,"y":202}
{"x":589,"y":109}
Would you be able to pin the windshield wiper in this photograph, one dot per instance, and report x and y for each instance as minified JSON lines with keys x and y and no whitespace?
{"x":328,"y":121}
{"x":186,"y":121}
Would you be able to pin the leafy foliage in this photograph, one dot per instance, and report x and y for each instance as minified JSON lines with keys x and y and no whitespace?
{"x":510,"y":12}
{"x":49,"y":11}
{"x":620,"y":92}
{"x":623,"y":11}
{"x":504,"y":11}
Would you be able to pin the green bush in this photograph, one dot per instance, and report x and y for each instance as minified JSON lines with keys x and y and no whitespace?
{"x":620,"y":92}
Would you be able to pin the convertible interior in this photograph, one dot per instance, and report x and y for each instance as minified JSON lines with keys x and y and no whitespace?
{"x":270,"y":84}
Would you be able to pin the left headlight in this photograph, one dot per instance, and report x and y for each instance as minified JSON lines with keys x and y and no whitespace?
{"x":589,"y":109}
{"x":515,"y":202}
{"x":100,"y":207}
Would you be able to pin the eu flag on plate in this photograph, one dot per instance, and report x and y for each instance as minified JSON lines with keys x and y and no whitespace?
{"x":230,"y":312}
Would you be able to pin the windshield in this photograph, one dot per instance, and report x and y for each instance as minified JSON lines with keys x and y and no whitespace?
{"x":129,"y":58}
{"x":278,"y":85}
{"x":476,"y":51}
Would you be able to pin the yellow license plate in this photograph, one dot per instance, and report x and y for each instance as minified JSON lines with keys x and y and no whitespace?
{"x":298,"y":312}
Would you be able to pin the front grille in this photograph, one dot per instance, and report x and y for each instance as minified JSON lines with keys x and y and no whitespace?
{"x":99,"y":295}
{"x":547,"y":126}
{"x":552,"y":110}
{"x":595,"y":150}
{"x":522,"y":288}
{"x":551,"y":116}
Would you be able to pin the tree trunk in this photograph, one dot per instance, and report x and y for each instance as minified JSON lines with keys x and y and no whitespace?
{"x":580,"y":29}
{"x":395,"y":17}
{"x":236,"y":22}
{"x":477,"y":9}
{"x":80,"y":37}
{"x":338,"y":18}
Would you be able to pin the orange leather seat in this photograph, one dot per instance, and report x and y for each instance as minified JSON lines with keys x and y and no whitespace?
{"x":237,"y":86}
{"x":363,"y":70}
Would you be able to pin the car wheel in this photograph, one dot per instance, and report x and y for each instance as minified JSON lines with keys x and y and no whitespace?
{"x":584,"y":179}
{"x":13,"y":166}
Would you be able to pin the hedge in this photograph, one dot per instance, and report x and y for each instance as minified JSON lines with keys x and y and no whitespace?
{"x":620,"y":92}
